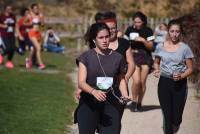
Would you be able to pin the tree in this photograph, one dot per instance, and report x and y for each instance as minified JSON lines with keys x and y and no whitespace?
{"x":191,"y":36}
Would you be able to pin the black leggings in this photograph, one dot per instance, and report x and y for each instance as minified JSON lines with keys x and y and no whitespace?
{"x":172,"y":96}
{"x":9,"y":46}
{"x":24,"y":43}
{"x":105,"y":116}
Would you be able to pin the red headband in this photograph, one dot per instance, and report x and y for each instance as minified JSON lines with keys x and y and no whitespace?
{"x":108,"y":20}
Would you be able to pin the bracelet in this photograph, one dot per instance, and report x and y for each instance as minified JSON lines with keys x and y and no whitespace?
{"x":92,"y":91}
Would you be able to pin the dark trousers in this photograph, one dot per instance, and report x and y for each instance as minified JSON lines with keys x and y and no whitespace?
{"x":9,"y":47}
{"x":24,"y":43}
{"x":172,"y":96}
{"x":104,"y":116}
{"x":54,"y":48}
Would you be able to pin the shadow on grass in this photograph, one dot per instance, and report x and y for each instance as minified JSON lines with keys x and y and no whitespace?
{"x":50,"y":69}
{"x":50,"y":66}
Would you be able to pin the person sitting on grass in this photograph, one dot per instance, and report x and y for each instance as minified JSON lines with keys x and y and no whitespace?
{"x":52,"y":42}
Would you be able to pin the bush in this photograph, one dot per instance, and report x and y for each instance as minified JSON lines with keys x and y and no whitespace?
{"x":191,"y":36}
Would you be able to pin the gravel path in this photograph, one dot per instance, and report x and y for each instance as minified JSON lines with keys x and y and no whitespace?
{"x":150,"y":120}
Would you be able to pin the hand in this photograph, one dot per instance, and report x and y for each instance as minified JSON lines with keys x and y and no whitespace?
{"x":125,"y":99}
{"x":77,"y":93}
{"x":156,"y":73}
{"x":99,"y":95}
{"x":125,"y":94}
{"x":177,"y":76}
{"x":21,"y":38}
{"x":139,"y":39}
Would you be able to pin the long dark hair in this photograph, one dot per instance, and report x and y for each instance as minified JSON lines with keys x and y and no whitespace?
{"x":178,"y":23}
{"x":142,"y":16}
{"x":175,"y":22}
{"x":33,"y":5}
{"x":99,"y":16}
{"x":92,"y":32}
{"x":103,"y":16}
{"x":23,"y":11}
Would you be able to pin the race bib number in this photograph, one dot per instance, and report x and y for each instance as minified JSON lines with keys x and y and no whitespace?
{"x":133,"y":36}
{"x":150,"y":38}
{"x":10,"y":29}
{"x":104,"y":83}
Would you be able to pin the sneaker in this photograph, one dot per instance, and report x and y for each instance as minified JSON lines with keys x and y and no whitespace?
{"x":41,"y":66}
{"x":20,"y":51}
{"x":1,"y":59}
{"x":9,"y":65}
{"x":28,"y":63}
{"x":134,"y":107}
{"x":139,"y":107}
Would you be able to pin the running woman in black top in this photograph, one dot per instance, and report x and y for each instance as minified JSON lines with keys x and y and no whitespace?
{"x":141,"y":38}
{"x":101,"y":76}
{"x":120,"y":45}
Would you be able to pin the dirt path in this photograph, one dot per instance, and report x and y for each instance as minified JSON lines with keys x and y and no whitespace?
{"x":150,"y":120}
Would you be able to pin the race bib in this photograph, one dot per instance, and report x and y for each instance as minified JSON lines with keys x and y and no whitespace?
{"x":133,"y":36}
{"x":104,"y":83}
{"x":10,"y":29}
{"x":150,"y":38}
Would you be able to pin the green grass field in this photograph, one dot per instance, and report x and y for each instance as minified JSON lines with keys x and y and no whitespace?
{"x":35,"y":101}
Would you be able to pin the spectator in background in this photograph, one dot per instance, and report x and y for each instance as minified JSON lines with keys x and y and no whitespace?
{"x":24,"y":25}
{"x":7,"y":33}
{"x":160,"y":34}
{"x":52,"y":42}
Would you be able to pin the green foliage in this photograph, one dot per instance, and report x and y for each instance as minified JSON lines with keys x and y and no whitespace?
{"x":104,"y":5}
{"x":197,"y":6}
{"x":75,"y":8}
{"x":191,"y":36}
{"x":34,"y":103}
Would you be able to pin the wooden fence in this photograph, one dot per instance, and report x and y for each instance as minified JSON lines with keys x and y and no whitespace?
{"x":81,"y":24}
